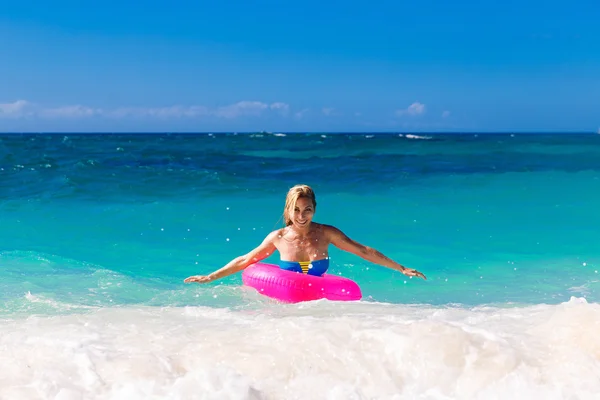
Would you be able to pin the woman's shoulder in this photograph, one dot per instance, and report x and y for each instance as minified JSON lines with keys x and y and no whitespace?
{"x":277,"y":233}
{"x":327,"y":229}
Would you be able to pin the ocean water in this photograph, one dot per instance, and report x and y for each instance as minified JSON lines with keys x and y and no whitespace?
{"x":99,"y":231}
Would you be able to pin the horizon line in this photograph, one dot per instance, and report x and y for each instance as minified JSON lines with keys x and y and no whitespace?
{"x":316,"y":132}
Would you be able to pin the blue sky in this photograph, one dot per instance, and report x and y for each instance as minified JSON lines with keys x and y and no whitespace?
{"x":383,"y":65}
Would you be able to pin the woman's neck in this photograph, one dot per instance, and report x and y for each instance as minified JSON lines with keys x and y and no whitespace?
{"x":301,"y":231}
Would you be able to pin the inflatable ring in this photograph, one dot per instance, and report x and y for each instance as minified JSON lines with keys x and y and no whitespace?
{"x":293,"y":287}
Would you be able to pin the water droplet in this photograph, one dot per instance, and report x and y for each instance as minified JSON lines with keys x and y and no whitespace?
{"x":227,"y":239}
{"x":162,"y":229}
{"x":584,"y":264}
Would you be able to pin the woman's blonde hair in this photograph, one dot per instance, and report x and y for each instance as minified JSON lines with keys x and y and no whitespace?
{"x":295,"y":193}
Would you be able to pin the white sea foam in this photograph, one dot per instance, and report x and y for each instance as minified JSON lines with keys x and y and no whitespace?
{"x":408,"y":136}
{"x":317,"y":350}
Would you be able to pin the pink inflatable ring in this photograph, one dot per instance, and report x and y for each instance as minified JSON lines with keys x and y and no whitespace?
{"x":294,"y":287}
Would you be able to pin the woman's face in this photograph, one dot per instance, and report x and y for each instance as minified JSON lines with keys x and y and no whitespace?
{"x":303,"y":213}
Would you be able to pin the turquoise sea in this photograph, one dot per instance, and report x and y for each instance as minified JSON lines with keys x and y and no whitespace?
{"x":99,"y":231}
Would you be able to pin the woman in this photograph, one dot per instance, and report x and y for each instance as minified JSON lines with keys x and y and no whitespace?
{"x":303,"y":244}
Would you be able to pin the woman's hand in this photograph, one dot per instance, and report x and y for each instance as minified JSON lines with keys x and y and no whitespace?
{"x":413,"y":272}
{"x":199,"y":279}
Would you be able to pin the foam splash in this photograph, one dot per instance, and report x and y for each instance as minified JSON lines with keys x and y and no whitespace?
{"x":409,"y":136}
{"x":320,"y":350}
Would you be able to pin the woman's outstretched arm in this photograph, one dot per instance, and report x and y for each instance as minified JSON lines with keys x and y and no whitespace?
{"x":343,"y":242}
{"x":265,"y":249}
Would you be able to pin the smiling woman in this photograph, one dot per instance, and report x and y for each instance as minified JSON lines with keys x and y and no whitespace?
{"x":303,"y":244}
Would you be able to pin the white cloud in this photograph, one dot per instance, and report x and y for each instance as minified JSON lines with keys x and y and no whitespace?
{"x":22,"y":108}
{"x":19,"y":108}
{"x":76,"y":111}
{"x":283,"y":108}
{"x":159,"y":112}
{"x":446,"y":114}
{"x":415,"y":108}
{"x":250,"y":108}
{"x":242,"y":108}
{"x":300,"y":114}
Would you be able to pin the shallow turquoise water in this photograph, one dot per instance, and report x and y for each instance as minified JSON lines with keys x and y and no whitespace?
{"x":123,"y":219}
